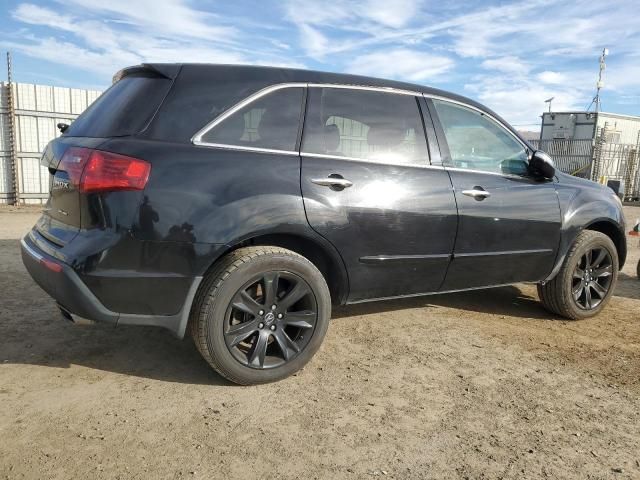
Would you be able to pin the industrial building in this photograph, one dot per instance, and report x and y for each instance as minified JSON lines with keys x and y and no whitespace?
{"x":589,"y":125}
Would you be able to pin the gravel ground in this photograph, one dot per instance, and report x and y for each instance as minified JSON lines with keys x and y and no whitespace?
{"x":483,"y":384}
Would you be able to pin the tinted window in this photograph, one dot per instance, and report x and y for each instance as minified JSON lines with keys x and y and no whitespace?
{"x":123,"y":109}
{"x":478,"y":143}
{"x":270,"y":122}
{"x":376,"y":126}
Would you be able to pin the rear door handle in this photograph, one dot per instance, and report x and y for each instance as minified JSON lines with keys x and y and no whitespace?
{"x":334,"y":182}
{"x":477,"y":193}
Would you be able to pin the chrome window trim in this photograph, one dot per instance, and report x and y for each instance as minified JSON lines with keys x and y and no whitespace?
{"x":471,"y":170}
{"x":367,"y":160}
{"x":225,"y":146}
{"x":372,"y":88}
{"x":197,"y":137}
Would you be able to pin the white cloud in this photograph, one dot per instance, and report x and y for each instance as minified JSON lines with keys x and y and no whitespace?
{"x":36,"y":15}
{"x":520,"y":98}
{"x":132,"y":34}
{"x":622,"y":76}
{"x":401,"y":64}
{"x":553,"y":78}
{"x":511,"y":55}
{"x":69,"y":54}
{"x":314,"y":42}
{"x":508,"y":64}
{"x":166,"y":17}
{"x":393,"y":14}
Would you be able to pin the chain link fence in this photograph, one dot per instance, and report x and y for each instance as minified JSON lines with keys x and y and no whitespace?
{"x":616,"y":164}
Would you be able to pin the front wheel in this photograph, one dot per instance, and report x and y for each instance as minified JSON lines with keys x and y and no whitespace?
{"x":261,"y":314}
{"x":586,"y":280}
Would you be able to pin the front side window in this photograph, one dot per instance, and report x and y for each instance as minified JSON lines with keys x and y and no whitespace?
{"x":478,"y":143}
{"x":369,"y":125}
{"x":270,"y":122}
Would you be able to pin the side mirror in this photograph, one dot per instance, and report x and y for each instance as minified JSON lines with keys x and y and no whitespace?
{"x":541,"y":164}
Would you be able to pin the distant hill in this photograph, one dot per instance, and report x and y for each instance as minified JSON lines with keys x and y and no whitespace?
{"x":529,"y":135}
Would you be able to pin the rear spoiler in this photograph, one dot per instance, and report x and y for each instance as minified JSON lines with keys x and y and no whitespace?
{"x":163,"y":70}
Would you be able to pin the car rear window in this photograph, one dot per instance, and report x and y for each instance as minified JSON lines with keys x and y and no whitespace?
{"x":124,"y":109}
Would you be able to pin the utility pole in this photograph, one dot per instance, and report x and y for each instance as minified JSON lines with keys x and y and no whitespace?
{"x":596,"y":100}
{"x":15,"y":169}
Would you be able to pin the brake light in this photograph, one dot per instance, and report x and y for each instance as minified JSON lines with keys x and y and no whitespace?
{"x":97,"y":171}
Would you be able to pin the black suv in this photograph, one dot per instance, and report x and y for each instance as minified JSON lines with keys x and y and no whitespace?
{"x":241,"y":202}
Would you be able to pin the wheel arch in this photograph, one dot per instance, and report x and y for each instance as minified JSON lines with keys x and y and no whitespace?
{"x":317,"y":251}
{"x":615,"y":233}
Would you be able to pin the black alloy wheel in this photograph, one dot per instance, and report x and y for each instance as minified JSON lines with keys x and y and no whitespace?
{"x":270,"y":319}
{"x":586,"y":279}
{"x":260,"y":314}
{"x":592,"y":278}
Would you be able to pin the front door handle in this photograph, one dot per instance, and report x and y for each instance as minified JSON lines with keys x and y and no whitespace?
{"x":333,"y":182}
{"x":477,"y":192}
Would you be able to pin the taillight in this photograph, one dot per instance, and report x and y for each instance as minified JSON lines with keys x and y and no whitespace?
{"x":97,"y":171}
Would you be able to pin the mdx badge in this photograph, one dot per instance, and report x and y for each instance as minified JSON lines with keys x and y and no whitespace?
{"x":61,"y":183}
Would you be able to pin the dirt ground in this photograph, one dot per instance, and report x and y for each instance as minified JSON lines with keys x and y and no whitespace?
{"x":484,"y":384}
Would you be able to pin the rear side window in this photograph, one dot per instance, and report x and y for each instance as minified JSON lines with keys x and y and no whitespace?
{"x":363,"y":124}
{"x":271,"y":122}
{"x":123,"y":109}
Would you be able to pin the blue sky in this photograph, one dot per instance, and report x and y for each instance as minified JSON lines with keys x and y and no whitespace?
{"x":510,"y":56}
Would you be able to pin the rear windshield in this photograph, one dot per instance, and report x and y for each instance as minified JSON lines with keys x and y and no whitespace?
{"x":124,"y":109}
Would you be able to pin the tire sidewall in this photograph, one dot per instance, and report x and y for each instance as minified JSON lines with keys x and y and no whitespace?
{"x":216,"y":311}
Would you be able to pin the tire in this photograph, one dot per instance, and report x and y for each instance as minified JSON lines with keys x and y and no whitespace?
{"x":229,"y":305}
{"x":638,"y":270}
{"x":557,"y":295}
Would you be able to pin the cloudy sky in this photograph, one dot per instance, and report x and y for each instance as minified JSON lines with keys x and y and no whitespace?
{"x":508,"y":55}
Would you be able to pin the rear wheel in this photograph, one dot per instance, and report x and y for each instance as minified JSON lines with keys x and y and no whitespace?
{"x":586,"y":280}
{"x":261,"y":314}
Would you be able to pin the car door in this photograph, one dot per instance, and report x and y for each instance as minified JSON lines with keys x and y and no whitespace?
{"x":369,"y":188}
{"x":509,"y":221}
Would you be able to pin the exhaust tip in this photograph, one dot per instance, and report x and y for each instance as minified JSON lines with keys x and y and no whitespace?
{"x":66,"y":314}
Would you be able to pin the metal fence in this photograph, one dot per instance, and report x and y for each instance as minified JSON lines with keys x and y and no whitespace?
{"x":597,"y":160}
{"x":31,"y":113}
{"x":574,"y":157}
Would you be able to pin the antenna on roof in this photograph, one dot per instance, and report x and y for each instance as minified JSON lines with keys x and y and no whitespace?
{"x":596,"y":100}
{"x":549,"y":100}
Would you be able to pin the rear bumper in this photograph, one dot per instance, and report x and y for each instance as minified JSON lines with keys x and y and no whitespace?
{"x":64,"y":285}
